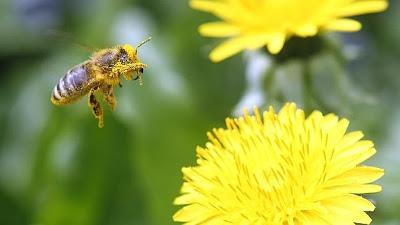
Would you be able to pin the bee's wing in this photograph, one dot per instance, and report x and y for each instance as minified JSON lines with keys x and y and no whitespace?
{"x":67,"y":37}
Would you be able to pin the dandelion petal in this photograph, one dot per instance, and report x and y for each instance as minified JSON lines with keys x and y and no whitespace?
{"x":276,"y":43}
{"x":347,"y":25}
{"x":218,"y":29}
{"x":235,"y":45}
{"x":362,"y":7}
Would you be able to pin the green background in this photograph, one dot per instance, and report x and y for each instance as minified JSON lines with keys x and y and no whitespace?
{"x":58,"y":168}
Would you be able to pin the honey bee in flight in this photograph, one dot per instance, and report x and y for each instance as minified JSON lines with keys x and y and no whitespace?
{"x":100,"y":74}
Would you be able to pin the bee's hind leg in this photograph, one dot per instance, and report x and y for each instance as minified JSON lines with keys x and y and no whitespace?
{"x":95,"y":107}
{"x":109,"y":96}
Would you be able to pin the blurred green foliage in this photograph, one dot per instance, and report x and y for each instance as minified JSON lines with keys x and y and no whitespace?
{"x":58,"y":168}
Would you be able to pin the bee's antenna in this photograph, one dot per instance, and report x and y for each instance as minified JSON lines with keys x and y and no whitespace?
{"x":142,"y":43}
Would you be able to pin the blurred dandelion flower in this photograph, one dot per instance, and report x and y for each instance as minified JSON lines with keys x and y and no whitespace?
{"x":251,"y":24}
{"x":281,"y":169}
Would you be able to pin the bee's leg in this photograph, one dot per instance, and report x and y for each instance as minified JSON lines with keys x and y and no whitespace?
{"x":109,"y":96}
{"x":138,"y":66}
{"x":141,"y":81}
{"x":129,"y":69}
{"x":128,"y":75}
{"x":95,"y":107}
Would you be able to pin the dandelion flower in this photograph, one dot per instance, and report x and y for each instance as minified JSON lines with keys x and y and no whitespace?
{"x":280,"y":169}
{"x":251,"y":24}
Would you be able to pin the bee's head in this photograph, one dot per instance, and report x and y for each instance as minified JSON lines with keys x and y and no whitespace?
{"x":131,"y":64}
{"x":128,"y":54}
{"x":132,"y":51}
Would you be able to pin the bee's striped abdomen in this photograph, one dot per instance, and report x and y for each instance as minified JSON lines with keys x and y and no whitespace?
{"x":72,"y":86}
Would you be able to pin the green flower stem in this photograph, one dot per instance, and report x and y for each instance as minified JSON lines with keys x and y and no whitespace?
{"x":307,"y":86}
{"x":311,"y":97}
{"x":335,"y":50}
{"x":269,"y":81}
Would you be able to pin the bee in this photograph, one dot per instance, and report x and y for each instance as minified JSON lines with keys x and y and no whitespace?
{"x":100,"y":74}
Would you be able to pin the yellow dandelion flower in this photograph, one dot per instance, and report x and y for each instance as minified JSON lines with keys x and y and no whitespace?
{"x":251,"y":24}
{"x":280,"y":169}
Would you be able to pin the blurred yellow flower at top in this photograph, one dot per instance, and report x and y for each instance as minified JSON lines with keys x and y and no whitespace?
{"x":280,"y":169}
{"x":251,"y":24}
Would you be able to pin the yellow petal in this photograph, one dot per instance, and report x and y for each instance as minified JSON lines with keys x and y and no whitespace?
{"x":348,"y":140}
{"x":208,"y":6}
{"x":315,"y":218}
{"x":362,"y":7}
{"x":227,"y":49}
{"x":276,"y":43}
{"x":235,"y":45}
{"x":346,"y":25}
{"x":191,"y":213}
{"x":352,"y":202}
{"x":307,"y":30}
{"x":338,"y":191}
{"x":354,"y":158}
{"x":186,"y":199}
{"x":362,"y":218}
{"x":217,"y":8}
{"x":359,"y":202}
{"x":355,"y":149}
{"x":218,"y":29}
{"x":358,"y":175}
{"x":336,"y":133}
{"x":339,"y":210}
{"x":357,"y":188}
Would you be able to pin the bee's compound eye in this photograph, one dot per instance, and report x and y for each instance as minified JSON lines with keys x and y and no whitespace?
{"x":141,"y":70}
